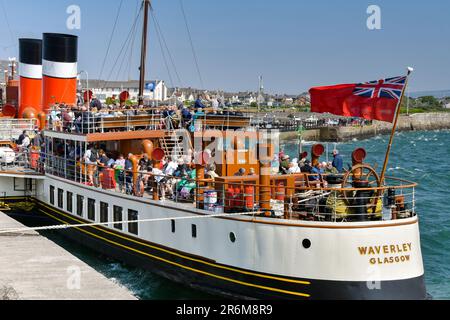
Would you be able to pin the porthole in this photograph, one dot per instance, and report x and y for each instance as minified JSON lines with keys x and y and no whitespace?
{"x":306,"y":243}
{"x":232,"y":237}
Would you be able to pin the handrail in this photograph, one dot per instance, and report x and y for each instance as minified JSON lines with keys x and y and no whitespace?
{"x":293,"y":200}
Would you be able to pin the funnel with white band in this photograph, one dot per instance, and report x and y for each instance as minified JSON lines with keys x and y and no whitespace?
{"x":60,"y":52}
{"x":30,"y":72}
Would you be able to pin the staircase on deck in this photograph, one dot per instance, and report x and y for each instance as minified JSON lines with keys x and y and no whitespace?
{"x":176,"y":143}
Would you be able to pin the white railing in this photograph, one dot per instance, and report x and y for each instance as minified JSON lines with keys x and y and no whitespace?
{"x":13,"y":128}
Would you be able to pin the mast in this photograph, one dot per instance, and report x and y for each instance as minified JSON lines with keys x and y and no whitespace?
{"x":147,"y":6}
{"x":397,"y":114}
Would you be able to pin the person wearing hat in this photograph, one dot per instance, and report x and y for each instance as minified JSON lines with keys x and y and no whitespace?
{"x":293,"y":167}
{"x":211,"y":172}
{"x":306,"y":168}
{"x":330,"y":169}
{"x":338,"y":162}
{"x":284,"y":165}
{"x":301,"y":163}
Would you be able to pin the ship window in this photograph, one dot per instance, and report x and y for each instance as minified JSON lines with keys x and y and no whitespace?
{"x":103,"y":212}
{"x":52,"y":195}
{"x":194,"y":231}
{"x":69,"y":200}
{"x":91,"y":209}
{"x":173,"y":225}
{"x":60,"y":198}
{"x":132,"y":226}
{"x":306,"y":243}
{"x":118,"y":217}
{"x":232,"y":237}
{"x":80,"y":200}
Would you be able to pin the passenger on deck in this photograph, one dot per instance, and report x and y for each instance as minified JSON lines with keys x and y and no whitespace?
{"x":90,"y":160}
{"x":119,"y":165}
{"x":23,"y":147}
{"x":198,"y":103}
{"x":129,"y":174}
{"x":55,"y":118}
{"x":158,"y":175}
{"x":306,"y":167}
{"x":187,"y":183}
{"x":316,"y":173}
{"x":215,"y":105}
{"x":293,"y":167}
{"x":338,"y":162}
{"x":145,"y":166}
{"x":330,"y":169}
{"x":102,"y":163}
{"x":241,"y":172}
{"x":284,"y":164}
{"x":211,"y":171}
{"x":21,"y":137}
{"x":169,"y":171}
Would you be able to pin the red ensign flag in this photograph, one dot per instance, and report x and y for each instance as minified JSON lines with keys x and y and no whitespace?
{"x":375,"y":100}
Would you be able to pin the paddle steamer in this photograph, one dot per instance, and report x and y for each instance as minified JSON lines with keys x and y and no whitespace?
{"x":266,"y":236}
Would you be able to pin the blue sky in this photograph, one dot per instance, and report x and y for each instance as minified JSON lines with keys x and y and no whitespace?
{"x":294,"y":44}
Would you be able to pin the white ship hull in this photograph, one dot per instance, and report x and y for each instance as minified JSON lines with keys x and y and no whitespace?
{"x":270,"y":258}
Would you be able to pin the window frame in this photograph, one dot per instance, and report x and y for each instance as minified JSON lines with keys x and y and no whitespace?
{"x":117,"y":210}
{"x":60,"y":198}
{"x":91,"y":213}
{"x":69,"y":199}
{"x":194,"y":230}
{"x":80,"y":208}
{"x":52,"y":195}
{"x":104,"y":206}
{"x":133,"y":227}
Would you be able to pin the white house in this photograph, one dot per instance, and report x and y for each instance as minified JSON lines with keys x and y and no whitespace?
{"x":155,"y":90}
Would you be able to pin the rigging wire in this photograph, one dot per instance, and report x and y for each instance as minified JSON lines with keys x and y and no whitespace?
{"x":132,"y":47}
{"x":7,"y":23}
{"x":93,"y":224}
{"x":129,"y":46}
{"x":162,"y":51}
{"x":125,"y":43}
{"x":110,"y":40}
{"x":191,"y":43}
{"x":167,"y":49}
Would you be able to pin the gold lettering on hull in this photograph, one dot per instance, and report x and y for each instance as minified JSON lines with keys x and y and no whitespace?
{"x":397,"y":253}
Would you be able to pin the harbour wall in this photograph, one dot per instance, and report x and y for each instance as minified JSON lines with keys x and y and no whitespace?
{"x":415,"y":122}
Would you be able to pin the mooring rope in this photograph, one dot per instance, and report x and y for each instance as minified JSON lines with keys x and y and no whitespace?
{"x":67,"y":226}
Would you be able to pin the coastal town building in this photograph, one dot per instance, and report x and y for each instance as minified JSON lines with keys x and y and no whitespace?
{"x":154,"y":90}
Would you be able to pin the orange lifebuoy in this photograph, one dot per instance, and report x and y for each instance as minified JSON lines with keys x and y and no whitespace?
{"x":249,"y":198}
{"x":229,"y":199}
{"x":279,"y":195}
{"x":238,"y":199}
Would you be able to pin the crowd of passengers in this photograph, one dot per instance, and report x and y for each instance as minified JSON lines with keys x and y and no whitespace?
{"x":304,"y":165}
{"x":80,"y":119}
{"x":173,"y":176}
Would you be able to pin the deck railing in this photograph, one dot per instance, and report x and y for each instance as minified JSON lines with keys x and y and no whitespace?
{"x":12,"y":128}
{"x":89,"y":122}
{"x":24,"y":161}
{"x":301,"y":200}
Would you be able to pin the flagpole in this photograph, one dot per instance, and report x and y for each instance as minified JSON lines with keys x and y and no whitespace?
{"x":391,"y":139}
